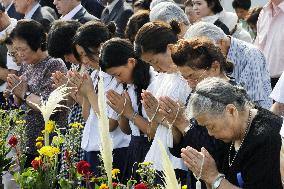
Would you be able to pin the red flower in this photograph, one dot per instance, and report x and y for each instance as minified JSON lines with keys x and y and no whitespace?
{"x":114,"y":185}
{"x":13,"y":141}
{"x":141,"y":186}
{"x":83,"y":167}
{"x":36,"y":164}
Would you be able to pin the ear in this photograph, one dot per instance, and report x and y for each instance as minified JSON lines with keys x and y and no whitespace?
{"x":131,"y":62}
{"x":231,"y":110}
{"x":216,"y":68}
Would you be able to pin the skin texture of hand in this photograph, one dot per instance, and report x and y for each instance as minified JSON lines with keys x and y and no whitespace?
{"x":150,"y":104}
{"x":193,"y":160}
{"x":59,"y":79}
{"x":18,"y":85}
{"x":117,"y":101}
{"x":84,"y":84}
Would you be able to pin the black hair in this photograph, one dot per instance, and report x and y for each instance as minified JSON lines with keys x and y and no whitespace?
{"x":32,"y":32}
{"x":91,"y":35}
{"x":60,"y":38}
{"x":242,"y":4}
{"x":253,"y":15}
{"x":116,"y":52}
{"x":143,"y":4}
{"x":155,"y":36}
{"x":215,"y":6}
{"x":2,"y":8}
{"x":199,"y":53}
{"x":135,"y":22}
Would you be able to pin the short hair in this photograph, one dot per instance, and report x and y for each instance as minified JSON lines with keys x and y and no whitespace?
{"x":215,"y":6}
{"x":212,"y":95}
{"x":136,"y":21}
{"x":143,"y":4}
{"x":241,"y":4}
{"x":154,"y":37}
{"x":156,"y":2}
{"x":199,"y":53}
{"x":167,"y":11}
{"x":60,"y":38}
{"x":32,"y":32}
{"x":188,"y":3}
{"x":205,"y":29}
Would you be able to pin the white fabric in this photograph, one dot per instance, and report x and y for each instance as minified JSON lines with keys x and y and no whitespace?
{"x":278,"y":91}
{"x":282,"y":132}
{"x":175,"y":87}
{"x":242,"y":34}
{"x":32,"y":11}
{"x":91,"y":137}
{"x":10,"y":63}
{"x":72,"y":13}
{"x":134,"y":129}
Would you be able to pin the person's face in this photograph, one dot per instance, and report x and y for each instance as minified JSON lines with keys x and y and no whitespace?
{"x":64,"y":6}
{"x":161,"y":62}
{"x":22,"y":5}
{"x":5,"y":3}
{"x":123,"y":74}
{"x":70,"y":58}
{"x":201,"y":9}
{"x":25,"y":53}
{"x":86,"y":60}
{"x":221,"y":127}
{"x":241,"y":13}
{"x":190,"y":13}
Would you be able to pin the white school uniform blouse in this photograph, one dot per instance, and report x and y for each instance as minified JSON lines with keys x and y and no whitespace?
{"x":278,"y":91}
{"x":177,"y":88}
{"x":131,"y":91}
{"x":91,"y":136}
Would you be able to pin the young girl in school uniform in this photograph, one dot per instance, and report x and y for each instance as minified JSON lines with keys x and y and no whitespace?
{"x":86,"y":45}
{"x":119,"y":60}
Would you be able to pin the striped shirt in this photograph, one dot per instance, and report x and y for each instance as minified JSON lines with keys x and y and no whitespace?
{"x":251,"y":71}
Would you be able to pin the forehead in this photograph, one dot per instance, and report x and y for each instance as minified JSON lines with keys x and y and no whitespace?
{"x":115,"y":70}
{"x":186,"y":70}
{"x":17,"y":42}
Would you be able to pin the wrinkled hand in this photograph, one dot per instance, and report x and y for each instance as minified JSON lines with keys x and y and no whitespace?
{"x":117,"y":101}
{"x":150,"y":104}
{"x":169,"y":108}
{"x":59,"y":79}
{"x":193,"y":160}
{"x":18,"y":85}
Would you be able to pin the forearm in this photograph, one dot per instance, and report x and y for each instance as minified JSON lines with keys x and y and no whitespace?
{"x":86,"y":108}
{"x":93,"y":100}
{"x":124,"y":125}
{"x":33,"y":99}
{"x":112,"y":125}
{"x":77,"y":97}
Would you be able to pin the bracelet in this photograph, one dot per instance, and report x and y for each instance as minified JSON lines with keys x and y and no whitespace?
{"x":133,"y":117}
{"x":120,"y":114}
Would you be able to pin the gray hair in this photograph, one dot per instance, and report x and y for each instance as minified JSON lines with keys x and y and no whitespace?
{"x":205,"y":29}
{"x":168,"y":11}
{"x":212,"y":95}
{"x":156,"y":2}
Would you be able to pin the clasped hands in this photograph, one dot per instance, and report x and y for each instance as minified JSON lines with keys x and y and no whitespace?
{"x":16,"y":85}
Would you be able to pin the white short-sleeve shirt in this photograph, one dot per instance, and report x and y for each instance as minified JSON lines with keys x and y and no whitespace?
{"x":278,"y":91}
{"x":91,"y":136}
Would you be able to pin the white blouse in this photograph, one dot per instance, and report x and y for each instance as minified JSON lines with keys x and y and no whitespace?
{"x":177,"y":88}
{"x":91,"y":136}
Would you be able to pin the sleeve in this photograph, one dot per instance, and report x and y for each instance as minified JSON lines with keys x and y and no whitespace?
{"x":277,"y":93}
{"x":121,"y":24}
{"x":262,"y":169}
{"x":53,"y":66}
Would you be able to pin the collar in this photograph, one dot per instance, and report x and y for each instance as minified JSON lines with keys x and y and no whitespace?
{"x":111,"y":6}
{"x":9,"y":28}
{"x":32,"y":11}
{"x":270,"y":6}
{"x":72,"y":13}
{"x":6,"y":10}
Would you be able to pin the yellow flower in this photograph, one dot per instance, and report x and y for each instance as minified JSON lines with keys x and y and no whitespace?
{"x":38,"y":145}
{"x":114,"y":173}
{"x":37,"y":158}
{"x":146,"y":163}
{"x":56,"y":140}
{"x":103,"y":186}
{"x":39,"y":139}
{"x":184,"y":187}
{"x":21,"y":122}
{"x":49,"y":127}
{"x":48,"y":151}
{"x":76,"y":125}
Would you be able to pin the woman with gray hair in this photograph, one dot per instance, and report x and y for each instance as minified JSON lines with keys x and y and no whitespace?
{"x":251,"y":157}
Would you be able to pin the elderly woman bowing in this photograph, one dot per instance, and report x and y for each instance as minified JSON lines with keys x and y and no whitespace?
{"x":252,"y":133}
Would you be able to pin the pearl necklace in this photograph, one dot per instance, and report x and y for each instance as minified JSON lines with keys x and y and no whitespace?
{"x":246,"y":132}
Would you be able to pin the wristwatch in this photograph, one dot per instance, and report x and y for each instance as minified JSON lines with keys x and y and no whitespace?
{"x":27,"y":93}
{"x":216,"y":183}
